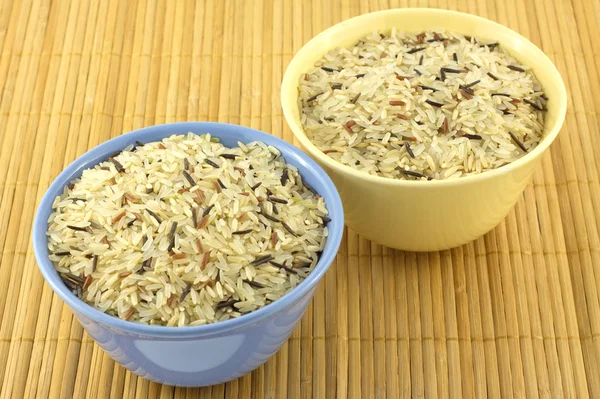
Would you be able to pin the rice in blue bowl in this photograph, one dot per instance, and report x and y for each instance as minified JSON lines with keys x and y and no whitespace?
{"x":252,"y":288}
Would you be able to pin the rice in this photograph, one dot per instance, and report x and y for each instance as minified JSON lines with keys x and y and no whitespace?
{"x":433,"y":105}
{"x":186,"y":231}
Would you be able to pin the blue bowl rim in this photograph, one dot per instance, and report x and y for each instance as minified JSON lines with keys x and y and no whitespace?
{"x":336,"y":229}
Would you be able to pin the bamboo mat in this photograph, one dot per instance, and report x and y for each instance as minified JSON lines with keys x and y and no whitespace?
{"x":514,"y":314}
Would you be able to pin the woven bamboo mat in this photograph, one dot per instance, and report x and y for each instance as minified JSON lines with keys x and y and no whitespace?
{"x":514,"y":314}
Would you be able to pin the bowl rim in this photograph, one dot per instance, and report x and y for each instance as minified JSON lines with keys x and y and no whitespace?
{"x":289,"y":85}
{"x":103,"y":150}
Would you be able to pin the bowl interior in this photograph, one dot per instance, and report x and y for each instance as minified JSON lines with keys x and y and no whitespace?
{"x":350,"y":31}
{"x":229,"y":135}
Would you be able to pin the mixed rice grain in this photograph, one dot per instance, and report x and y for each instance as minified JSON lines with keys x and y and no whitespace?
{"x":184,"y":231}
{"x":432,"y":105}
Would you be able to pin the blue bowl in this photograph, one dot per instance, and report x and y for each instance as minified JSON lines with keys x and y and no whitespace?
{"x":197,"y":355}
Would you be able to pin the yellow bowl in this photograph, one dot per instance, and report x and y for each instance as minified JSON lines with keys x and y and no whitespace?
{"x":426,"y":215}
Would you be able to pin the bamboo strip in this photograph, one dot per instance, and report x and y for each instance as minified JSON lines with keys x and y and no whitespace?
{"x":245,"y":47}
{"x":364,"y":288}
{"x":227,"y":68}
{"x":13,"y":42}
{"x":326,"y":384}
{"x":197,"y":69}
{"x":575,"y":215}
{"x":40,"y":384}
{"x":129,"y":386}
{"x":492,"y":264}
{"x":534,"y":383}
{"x":413,"y":304}
{"x":547,"y":296}
{"x":18,"y":319}
{"x":377,"y":298}
{"x":485,"y":374}
{"x":181,"y":98}
{"x":342,"y":310}
{"x":8,"y":170}
{"x":455,"y":386}
{"x":403,"y":325}
{"x":145,"y":66}
{"x":354,"y":377}
{"x":5,"y":16}
{"x":392,"y":376}
{"x":60,"y":386}
{"x":150,"y":85}
{"x":463,"y":323}
{"x":431,"y":376}
{"x":163,"y":65}
{"x":136,"y":30}
{"x":438,"y":313}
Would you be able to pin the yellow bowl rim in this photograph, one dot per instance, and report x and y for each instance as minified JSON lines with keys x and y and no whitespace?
{"x":289,"y":83}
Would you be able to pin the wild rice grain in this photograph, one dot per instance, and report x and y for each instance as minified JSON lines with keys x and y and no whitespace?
{"x":517,"y":141}
{"x":534,"y":105}
{"x":254,"y":284}
{"x":491,"y":75}
{"x":76,"y":228}
{"x":451,"y":70}
{"x":412,"y":173}
{"x":277,"y":200}
{"x":515,"y":68}
{"x":433,"y":103}
{"x":289,"y":229}
{"x":313,"y":98}
{"x":408,"y":149}
{"x":118,"y":165}
{"x":242,"y":232}
{"x":415,"y":50}
{"x":207,"y":210}
{"x":428,"y":88}
{"x":261,"y":260}
{"x":225,"y":304}
{"x":287,"y":269}
{"x":211,"y":163}
{"x":189,"y":178}
{"x":185,"y":292}
{"x":154,"y":215}
{"x":271,"y":218}
{"x":284,"y":176}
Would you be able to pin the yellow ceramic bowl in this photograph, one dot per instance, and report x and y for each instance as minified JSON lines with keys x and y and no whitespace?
{"x":427,"y":215}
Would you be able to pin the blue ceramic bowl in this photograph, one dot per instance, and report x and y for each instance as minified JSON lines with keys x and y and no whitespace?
{"x":198,"y":355}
